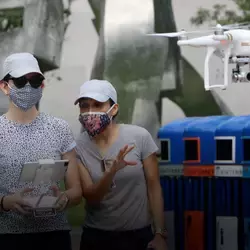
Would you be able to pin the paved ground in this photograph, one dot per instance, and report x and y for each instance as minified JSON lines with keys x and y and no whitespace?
{"x":76,"y":236}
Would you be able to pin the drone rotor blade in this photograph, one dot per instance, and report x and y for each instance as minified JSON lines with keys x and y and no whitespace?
{"x":176,"y":34}
{"x":246,"y":26}
{"x":234,"y":26}
{"x":199,"y":31}
{"x":238,"y":24}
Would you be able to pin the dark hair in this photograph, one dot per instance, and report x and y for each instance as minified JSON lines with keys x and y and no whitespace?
{"x":7,"y":78}
{"x":111,"y":102}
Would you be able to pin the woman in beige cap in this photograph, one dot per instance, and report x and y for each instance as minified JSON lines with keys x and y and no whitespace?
{"x":119,"y":175}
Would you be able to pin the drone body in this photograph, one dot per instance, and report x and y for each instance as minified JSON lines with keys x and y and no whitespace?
{"x":232,"y":46}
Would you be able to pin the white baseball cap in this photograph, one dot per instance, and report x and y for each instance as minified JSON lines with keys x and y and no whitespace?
{"x":20,"y":64}
{"x":99,"y":90}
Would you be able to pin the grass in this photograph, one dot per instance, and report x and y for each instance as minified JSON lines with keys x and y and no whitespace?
{"x":76,"y":215}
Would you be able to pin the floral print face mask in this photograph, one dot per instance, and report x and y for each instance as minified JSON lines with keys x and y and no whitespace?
{"x":95,"y":122}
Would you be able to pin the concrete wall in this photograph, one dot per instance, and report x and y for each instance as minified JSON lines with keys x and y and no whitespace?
{"x":83,"y":47}
{"x":80,"y":53}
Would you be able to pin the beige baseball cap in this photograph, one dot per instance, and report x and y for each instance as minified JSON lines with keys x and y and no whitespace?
{"x":20,"y":64}
{"x":99,"y":90}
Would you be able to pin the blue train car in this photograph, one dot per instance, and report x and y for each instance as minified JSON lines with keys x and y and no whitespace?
{"x":227,"y":198}
{"x":245,"y":187}
{"x":207,"y":212}
{"x":228,"y":187}
{"x":246,"y":144}
{"x":228,"y":140}
{"x":200,"y":144}
{"x":199,"y":140}
{"x":245,"y":204}
{"x":171,"y":137}
{"x":171,"y":168}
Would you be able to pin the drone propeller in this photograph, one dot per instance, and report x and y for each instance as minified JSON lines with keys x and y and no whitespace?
{"x":218,"y":29}
{"x":177,"y":34}
{"x":232,"y":26}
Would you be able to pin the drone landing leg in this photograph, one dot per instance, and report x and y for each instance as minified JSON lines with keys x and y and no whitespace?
{"x":226,"y":61}
{"x":210,"y":51}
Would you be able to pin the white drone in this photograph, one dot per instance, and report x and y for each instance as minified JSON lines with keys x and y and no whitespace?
{"x":230,"y":42}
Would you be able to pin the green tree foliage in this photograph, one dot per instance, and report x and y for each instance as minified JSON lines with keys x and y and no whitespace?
{"x":222,"y":15}
{"x":11,"y":19}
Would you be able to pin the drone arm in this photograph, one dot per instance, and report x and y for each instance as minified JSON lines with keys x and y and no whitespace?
{"x":210,"y":51}
{"x":225,"y":37}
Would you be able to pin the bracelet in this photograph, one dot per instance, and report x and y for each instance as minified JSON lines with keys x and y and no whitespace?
{"x":2,"y":207}
{"x":162,"y":232}
{"x":67,"y":200}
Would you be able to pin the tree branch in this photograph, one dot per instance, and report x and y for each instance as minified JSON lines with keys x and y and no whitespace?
{"x":220,"y":14}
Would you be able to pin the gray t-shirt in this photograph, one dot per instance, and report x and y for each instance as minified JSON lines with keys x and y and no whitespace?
{"x":126,"y":206}
{"x":46,"y":137}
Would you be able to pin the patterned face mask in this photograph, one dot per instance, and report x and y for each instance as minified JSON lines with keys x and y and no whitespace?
{"x":95,"y":122}
{"x":26,"y":97}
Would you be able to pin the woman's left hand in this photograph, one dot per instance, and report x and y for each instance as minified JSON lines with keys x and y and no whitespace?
{"x":119,"y":163}
{"x":62,"y":199}
{"x":158,"y":243}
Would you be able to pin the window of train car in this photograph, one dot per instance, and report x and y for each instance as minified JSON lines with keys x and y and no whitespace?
{"x":192,"y":150}
{"x":225,"y":149}
{"x":165,"y":150}
{"x":246,"y":149}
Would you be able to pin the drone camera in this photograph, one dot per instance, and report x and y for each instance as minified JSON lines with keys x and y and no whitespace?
{"x":241,"y":77}
{"x":248,"y":76}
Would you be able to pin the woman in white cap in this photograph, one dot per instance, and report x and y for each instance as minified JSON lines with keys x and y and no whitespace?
{"x":26,"y":135}
{"x":119,"y":176}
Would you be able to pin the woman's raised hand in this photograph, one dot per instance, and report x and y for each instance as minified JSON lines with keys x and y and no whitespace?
{"x":120,"y":162}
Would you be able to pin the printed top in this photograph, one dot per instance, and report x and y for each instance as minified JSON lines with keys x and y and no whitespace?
{"x":46,"y":137}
